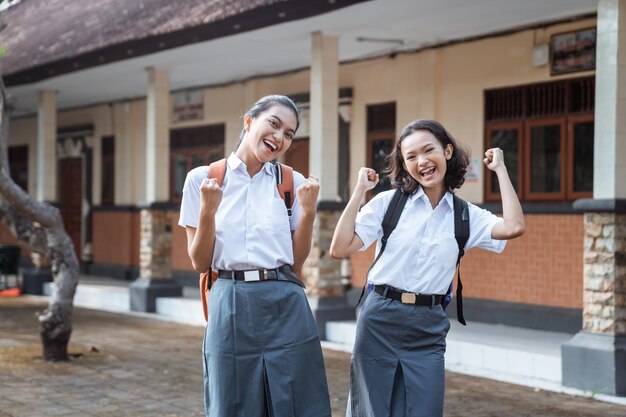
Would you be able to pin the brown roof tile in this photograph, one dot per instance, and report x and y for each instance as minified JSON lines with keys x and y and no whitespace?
{"x":45,"y":38}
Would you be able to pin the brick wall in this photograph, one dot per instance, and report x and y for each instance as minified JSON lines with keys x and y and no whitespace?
{"x":545,"y":266}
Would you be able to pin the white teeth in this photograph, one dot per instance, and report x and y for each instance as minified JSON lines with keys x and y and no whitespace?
{"x":427,"y":171}
{"x":270,"y":144}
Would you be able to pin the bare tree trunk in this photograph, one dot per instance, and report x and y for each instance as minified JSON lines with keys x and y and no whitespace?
{"x":39,"y":225}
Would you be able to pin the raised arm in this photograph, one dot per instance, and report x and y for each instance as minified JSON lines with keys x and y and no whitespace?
{"x":201,"y":241}
{"x":345,"y":240}
{"x":513,"y":225}
{"x":301,"y":240}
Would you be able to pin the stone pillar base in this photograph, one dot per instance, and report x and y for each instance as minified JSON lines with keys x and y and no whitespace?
{"x":34,"y":278}
{"x":144,"y":292}
{"x":595,"y":362}
{"x":327,"y":309}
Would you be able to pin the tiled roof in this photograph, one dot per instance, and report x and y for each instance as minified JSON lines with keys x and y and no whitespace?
{"x":42,"y":31}
{"x":44,"y":38}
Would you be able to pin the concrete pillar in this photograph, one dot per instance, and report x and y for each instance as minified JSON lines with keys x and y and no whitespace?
{"x":157,"y":136}
{"x":46,"y":147}
{"x":155,"y":273}
{"x":155,"y":260}
{"x":324,"y":122}
{"x":595,"y":359}
{"x":322,"y":273}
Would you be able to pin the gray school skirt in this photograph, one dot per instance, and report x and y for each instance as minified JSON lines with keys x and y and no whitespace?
{"x":397,"y":367}
{"x":262,"y":354}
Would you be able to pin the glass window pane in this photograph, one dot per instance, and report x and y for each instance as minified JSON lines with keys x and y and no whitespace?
{"x":197,"y":160}
{"x":380,"y":149}
{"x":545,"y":159}
{"x":180,"y":172}
{"x":583,"y":157}
{"x":508,"y":141}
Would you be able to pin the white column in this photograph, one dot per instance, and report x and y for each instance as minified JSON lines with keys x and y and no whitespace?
{"x":324,"y":124}
{"x":124,"y":154}
{"x":157,"y":136}
{"x":46,"y":147}
{"x":610,"y":123}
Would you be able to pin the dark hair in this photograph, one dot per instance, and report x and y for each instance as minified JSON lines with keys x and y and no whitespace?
{"x":266,"y":102}
{"x":456,"y":166}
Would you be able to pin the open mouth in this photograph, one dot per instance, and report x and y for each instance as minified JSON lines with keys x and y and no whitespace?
{"x":270,"y":145}
{"x":427,"y":172}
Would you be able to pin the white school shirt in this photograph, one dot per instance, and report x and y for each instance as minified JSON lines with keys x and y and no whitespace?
{"x":252,"y":228}
{"x":421,"y":252}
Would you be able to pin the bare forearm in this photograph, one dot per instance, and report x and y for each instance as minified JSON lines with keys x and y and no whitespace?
{"x":511,"y":208}
{"x":302,"y":240}
{"x":344,"y":239}
{"x":203,"y":243}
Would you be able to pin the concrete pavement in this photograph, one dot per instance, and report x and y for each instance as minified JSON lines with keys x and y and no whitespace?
{"x":131,"y":365}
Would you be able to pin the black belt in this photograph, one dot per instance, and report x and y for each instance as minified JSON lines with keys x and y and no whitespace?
{"x":282,"y":273}
{"x":409,"y":297}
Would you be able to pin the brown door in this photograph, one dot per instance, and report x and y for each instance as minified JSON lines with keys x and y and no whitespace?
{"x":297,"y":156}
{"x":70,"y":198}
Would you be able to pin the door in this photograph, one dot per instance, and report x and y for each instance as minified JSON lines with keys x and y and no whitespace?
{"x":71,"y":197}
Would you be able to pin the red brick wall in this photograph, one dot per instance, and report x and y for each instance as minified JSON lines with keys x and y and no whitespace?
{"x":545,"y":266}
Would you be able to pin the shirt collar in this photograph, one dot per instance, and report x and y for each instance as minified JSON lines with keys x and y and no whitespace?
{"x":234,"y":163}
{"x":419,"y":194}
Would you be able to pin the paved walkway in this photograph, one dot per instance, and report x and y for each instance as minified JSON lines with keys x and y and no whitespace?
{"x":128,"y":365}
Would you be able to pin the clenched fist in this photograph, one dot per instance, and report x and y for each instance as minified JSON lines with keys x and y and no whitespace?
{"x":367,"y":179}
{"x":210,"y":195}
{"x":307,"y":194}
{"x":494,"y":158}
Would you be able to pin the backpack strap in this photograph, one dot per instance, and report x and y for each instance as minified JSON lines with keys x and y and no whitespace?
{"x":461,"y":234}
{"x":390,"y":221}
{"x":217,"y":170}
{"x":284,"y":182}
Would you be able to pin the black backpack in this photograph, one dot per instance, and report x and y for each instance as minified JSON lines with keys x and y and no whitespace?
{"x":461,"y":234}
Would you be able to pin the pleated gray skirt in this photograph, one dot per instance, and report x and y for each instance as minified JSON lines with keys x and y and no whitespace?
{"x":262,"y":354}
{"x":397,"y":367}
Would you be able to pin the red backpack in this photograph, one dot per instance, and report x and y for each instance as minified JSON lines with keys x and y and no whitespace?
{"x":284,"y":183}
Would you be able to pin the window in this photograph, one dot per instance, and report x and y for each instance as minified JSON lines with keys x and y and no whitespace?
{"x":108,"y":171}
{"x":381,"y":132}
{"x":190,"y":148}
{"x":546,"y":133}
{"x":18,"y":165}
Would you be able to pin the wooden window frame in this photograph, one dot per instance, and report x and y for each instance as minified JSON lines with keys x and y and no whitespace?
{"x":543,"y":196}
{"x":491,"y":126}
{"x":572,"y":120}
{"x":371,"y":138}
{"x":203,"y":151}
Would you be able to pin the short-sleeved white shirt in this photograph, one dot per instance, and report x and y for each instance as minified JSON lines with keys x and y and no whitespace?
{"x":252,"y":228}
{"x":421,"y":252}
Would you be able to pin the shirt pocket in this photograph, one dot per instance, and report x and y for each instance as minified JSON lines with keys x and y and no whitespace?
{"x":273,"y":217}
{"x":445,"y":252}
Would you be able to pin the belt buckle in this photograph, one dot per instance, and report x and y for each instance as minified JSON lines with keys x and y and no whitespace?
{"x":408,"y":298}
{"x":253,"y":275}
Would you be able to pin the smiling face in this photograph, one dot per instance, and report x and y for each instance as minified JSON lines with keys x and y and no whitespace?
{"x":268,"y":135}
{"x":425,"y":159}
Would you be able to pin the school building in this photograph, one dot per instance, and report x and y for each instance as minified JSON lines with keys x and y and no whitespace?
{"x":112,"y":102}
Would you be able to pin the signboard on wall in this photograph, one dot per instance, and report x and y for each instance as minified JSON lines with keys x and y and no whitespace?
{"x":473,"y":170}
{"x":573,"y":51}
{"x":188,"y":105}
